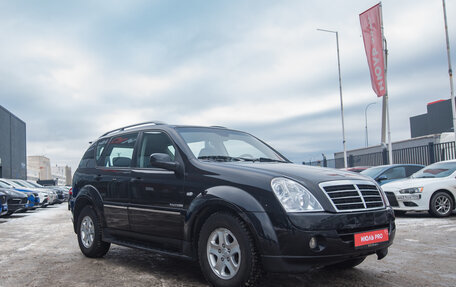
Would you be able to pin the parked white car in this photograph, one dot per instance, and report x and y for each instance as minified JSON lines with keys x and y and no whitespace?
{"x":433,"y":189}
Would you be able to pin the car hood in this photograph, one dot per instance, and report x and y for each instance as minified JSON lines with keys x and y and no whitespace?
{"x":298,"y":172}
{"x":13,"y":193}
{"x":409,"y":183}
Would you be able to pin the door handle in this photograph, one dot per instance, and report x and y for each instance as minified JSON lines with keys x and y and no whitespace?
{"x":98,"y":177}
{"x":136,"y":180}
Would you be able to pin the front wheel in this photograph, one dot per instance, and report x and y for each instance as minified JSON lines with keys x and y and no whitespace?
{"x":89,"y":234}
{"x":441,"y":204}
{"x":227,"y":254}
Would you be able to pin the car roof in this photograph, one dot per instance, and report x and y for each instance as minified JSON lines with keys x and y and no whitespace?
{"x":147,"y":125}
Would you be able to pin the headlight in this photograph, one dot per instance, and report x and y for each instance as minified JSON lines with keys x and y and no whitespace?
{"x":411,"y":190}
{"x":293,"y":196}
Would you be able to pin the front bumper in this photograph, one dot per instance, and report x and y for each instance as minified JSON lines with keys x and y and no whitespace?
{"x":408,"y":202}
{"x":334,"y":233}
{"x":3,"y":209}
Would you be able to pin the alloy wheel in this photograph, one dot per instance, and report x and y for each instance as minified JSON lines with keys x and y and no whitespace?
{"x":87,"y":231}
{"x":442,"y":204}
{"x":223,"y":253}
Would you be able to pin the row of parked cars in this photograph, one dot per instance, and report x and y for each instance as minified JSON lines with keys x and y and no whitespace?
{"x":17,"y":195}
{"x":411,"y":187}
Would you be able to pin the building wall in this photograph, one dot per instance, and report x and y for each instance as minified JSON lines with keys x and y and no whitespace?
{"x":438,"y":119}
{"x":40,"y":166}
{"x":62,"y":174}
{"x":13,"y":152}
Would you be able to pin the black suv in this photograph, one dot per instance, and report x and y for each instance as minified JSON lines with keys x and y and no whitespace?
{"x":226,"y":199}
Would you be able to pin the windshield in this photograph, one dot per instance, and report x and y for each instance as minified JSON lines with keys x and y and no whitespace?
{"x":227,"y":145}
{"x":373,"y":171}
{"x":436,"y":170}
{"x":24,"y":183}
{"x":5,"y":185}
{"x":33,"y":184}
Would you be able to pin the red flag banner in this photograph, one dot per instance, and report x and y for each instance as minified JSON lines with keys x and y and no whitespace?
{"x":371,"y":27}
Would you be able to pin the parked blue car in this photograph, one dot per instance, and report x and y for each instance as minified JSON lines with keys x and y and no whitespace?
{"x":33,"y":199}
{"x":388,"y":173}
{"x":3,"y":203}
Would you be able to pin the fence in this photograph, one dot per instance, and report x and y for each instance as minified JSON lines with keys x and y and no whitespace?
{"x":424,"y":155}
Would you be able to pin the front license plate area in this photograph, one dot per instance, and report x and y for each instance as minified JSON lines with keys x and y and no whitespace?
{"x":371,"y":238}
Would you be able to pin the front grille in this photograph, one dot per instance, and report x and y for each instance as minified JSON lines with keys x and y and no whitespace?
{"x":353,"y":195}
{"x":392,"y":199}
{"x":14,"y":201}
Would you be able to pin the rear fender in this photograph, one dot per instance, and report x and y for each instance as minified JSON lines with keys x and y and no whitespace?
{"x":88,"y":195}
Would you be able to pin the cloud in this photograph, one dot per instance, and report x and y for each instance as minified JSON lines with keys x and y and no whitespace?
{"x":75,"y":70}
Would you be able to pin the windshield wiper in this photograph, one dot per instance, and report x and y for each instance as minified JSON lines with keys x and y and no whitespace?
{"x":426,"y":176}
{"x":219,"y":158}
{"x":231,"y":158}
{"x":265,"y":159}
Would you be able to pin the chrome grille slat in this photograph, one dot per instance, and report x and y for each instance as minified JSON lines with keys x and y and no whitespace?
{"x":348,"y":195}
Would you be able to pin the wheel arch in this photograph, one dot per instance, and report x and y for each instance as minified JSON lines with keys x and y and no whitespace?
{"x":445,"y":191}
{"x":87,"y":195}
{"x":236,"y":202}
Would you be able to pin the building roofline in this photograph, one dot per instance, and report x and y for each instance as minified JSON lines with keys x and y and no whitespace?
{"x":13,"y":115}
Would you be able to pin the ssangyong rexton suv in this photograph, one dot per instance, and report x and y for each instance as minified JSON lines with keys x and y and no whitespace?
{"x":226,"y":199}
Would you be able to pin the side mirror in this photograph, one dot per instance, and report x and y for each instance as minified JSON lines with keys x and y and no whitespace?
{"x":381,"y":178}
{"x":163,"y":160}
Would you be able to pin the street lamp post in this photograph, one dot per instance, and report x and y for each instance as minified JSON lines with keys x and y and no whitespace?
{"x":365,"y":117}
{"x":340,"y":91}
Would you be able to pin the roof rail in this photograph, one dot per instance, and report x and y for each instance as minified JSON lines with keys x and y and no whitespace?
{"x":220,"y":127}
{"x":135,"y":125}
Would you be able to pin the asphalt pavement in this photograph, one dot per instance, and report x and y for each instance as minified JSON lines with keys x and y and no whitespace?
{"x":39,"y":248}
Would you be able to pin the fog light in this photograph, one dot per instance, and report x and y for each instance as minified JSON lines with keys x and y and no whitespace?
{"x":313,"y":243}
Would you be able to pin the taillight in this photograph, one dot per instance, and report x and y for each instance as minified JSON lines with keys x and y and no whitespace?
{"x":70,"y":192}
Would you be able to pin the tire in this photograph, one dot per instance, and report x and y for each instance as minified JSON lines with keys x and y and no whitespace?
{"x":89,"y":234}
{"x":441,"y":204}
{"x":233,"y":259}
{"x":348,"y":264}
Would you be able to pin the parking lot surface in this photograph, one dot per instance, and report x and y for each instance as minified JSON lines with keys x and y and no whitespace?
{"x":39,"y":248}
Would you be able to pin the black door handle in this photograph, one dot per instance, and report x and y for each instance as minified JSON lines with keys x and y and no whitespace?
{"x":98,"y":177}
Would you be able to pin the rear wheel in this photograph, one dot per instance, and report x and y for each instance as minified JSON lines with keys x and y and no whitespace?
{"x":441,"y":204}
{"x":227,"y":253}
{"x":89,"y":234}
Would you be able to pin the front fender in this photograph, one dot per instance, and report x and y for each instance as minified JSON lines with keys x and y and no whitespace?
{"x":88,"y":195}
{"x":239,"y":202}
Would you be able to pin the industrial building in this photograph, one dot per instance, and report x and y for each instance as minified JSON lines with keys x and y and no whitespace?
{"x":13,"y":154}
{"x":432,"y":139}
{"x":39,"y":169}
{"x":438,"y":119}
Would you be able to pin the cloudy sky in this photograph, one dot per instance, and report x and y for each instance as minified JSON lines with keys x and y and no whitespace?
{"x":75,"y":69}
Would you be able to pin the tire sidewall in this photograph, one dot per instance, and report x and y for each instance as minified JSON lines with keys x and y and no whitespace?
{"x":224,"y":220}
{"x":88,"y":211}
{"x":432,"y":203}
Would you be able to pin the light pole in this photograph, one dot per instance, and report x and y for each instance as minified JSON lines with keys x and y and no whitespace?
{"x":340,"y":91}
{"x":365,"y":117}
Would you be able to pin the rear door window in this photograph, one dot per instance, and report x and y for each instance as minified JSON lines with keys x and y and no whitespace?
{"x":119,"y":151}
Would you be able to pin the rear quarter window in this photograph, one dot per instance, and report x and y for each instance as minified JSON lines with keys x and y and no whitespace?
{"x":88,"y":159}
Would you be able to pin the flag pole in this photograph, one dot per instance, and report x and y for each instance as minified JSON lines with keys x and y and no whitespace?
{"x":385,"y":97}
{"x":450,"y":72}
